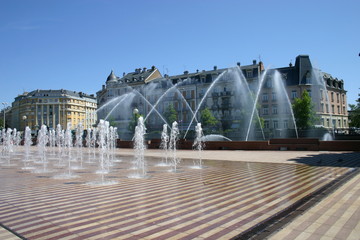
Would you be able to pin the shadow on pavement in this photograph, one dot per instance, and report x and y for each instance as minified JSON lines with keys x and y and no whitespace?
{"x":328,"y":159}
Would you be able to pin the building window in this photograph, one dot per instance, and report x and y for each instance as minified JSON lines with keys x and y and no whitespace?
{"x":332,"y":108}
{"x":273,"y":96}
{"x":332,"y":96}
{"x":275,"y":124}
{"x":309,"y":91}
{"x":343,"y":110}
{"x":274,"y":109}
{"x":265,"y":97}
{"x":321,"y":95}
{"x":322,"y":107}
{"x":293,"y":94}
{"x":265,"y":110}
{"x":249,"y":73}
{"x":269,"y":83}
{"x":337,"y":98}
{"x":266,"y":124}
{"x":345,"y":124}
{"x":338,"y":109}
{"x":286,"y":124}
{"x":343,"y":98}
{"x":327,"y":108}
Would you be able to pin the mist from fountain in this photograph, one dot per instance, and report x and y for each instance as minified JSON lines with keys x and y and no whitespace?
{"x":27,"y":143}
{"x":174,"y":137}
{"x":164,"y":145}
{"x":43,"y":139}
{"x":202,"y":100}
{"x":127,"y":96}
{"x":261,"y":82}
{"x":174,"y":87}
{"x":320,"y":81}
{"x":198,"y":145}
{"x":281,"y":91}
{"x":215,"y":137}
{"x":139,"y":163}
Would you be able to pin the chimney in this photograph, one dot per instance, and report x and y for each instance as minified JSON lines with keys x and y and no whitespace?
{"x":186,"y":72}
{"x":254,"y":62}
{"x":290,"y":64}
{"x":123,"y":73}
{"x":238,"y":63}
{"x":215,"y":68}
{"x":144,"y":69}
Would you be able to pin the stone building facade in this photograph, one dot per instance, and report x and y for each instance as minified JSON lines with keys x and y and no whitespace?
{"x":229,"y":94}
{"x":52,"y":107}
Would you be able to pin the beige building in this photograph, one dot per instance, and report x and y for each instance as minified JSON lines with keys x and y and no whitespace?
{"x":53,"y":107}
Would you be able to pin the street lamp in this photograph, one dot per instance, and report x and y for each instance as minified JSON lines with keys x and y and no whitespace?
{"x":4,"y":104}
{"x":24,"y":119}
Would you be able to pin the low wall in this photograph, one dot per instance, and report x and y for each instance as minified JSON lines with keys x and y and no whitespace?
{"x":290,"y":144}
{"x":340,"y":145}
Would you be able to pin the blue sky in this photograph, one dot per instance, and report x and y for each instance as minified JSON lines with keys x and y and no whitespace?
{"x":74,"y":44}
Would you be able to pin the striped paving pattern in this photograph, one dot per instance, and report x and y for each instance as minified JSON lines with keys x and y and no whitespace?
{"x":336,"y":217}
{"x":217,"y":202}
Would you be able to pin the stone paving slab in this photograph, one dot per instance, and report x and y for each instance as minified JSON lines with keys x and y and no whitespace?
{"x":217,"y":202}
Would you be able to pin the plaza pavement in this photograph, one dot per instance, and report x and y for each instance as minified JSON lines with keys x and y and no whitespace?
{"x":336,"y":216}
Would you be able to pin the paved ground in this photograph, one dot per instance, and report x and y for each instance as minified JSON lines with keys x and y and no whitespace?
{"x":234,"y":193}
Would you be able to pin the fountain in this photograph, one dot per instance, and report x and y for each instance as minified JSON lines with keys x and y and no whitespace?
{"x":284,"y":103}
{"x":139,"y":163}
{"x":174,"y":137}
{"x":164,"y":145}
{"x":43,"y":140}
{"x":202,"y":100}
{"x":199,"y":146}
{"x":27,"y":143}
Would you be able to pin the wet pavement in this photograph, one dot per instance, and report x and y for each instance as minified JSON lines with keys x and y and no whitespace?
{"x":235,"y":192}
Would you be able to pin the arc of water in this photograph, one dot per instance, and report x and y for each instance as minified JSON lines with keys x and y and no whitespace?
{"x":262,"y":77}
{"x":202,"y":100}
{"x":150,"y":105}
{"x":107,"y":103}
{"x":288,"y":101}
{"x":158,"y":101}
{"x":322,"y":82}
{"x":122,"y":99}
{"x":249,"y":91}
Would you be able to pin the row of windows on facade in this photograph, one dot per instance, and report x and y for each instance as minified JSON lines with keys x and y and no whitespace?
{"x":335,"y":124}
{"x":61,"y":101}
{"x":332,"y":96}
{"x":285,"y":124}
{"x":274,"y":109}
{"x":333,"y":109}
{"x":265,"y":96}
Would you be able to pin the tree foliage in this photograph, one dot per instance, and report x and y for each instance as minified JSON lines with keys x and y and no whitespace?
{"x":170,"y":114}
{"x":207,"y":119}
{"x":354,"y":114}
{"x":304,"y":113}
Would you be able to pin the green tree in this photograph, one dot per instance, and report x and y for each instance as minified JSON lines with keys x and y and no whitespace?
{"x":207,"y":119}
{"x":354,"y":114}
{"x":170,"y":114}
{"x":112,"y":121}
{"x":304,"y":113}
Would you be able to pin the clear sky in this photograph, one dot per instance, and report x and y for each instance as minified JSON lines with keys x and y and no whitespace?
{"x":74,"y":44}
